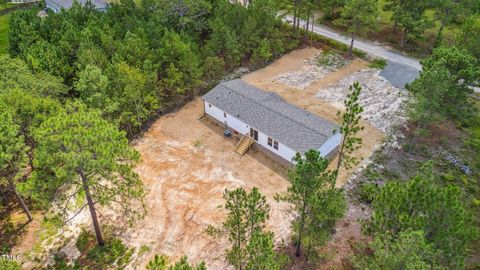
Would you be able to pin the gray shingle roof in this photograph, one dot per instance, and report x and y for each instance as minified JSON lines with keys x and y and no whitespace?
{"x":267,"y":112}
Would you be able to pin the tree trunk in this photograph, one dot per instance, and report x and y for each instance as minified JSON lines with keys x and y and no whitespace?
{"x":404,"y":38}
{"x":22,"y":202}
{"x":313,"y":20}
{"x":414,"y":139}
{"x":294,"y":14}
{"x":295,"y":7}
{"x":300,"y":232}
{"x":332,"y":14}
{"x":299,"y":3}
{"x":91,"y":207}
{"x":340,"y":156}
{"x":350,"y":51}
{"x":305,"y":35}
{"x":4,"y":196}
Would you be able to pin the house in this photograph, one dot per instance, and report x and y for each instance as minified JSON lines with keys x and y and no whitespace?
{"x":57,"y":5}
{"x":269,"y":122}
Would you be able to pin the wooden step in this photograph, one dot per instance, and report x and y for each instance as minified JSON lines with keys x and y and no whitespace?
{"x":243,"y":145}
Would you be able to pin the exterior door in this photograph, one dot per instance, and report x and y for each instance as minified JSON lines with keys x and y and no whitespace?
{"x":254,"y":134}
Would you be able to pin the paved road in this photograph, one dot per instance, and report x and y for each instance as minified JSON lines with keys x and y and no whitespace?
{"x":400,"y":69}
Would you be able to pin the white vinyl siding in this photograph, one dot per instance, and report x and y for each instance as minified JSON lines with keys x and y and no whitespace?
{"x":283,"y":151}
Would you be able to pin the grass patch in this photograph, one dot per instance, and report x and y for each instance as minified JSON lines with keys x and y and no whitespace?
{"x":378,"y":63}
{"x":9,"y":265}
{"x":4,"y":24}
{"x":330,"y":60}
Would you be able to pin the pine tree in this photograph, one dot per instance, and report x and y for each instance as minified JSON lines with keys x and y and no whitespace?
{"x":309,"y":180}
{"x":247,"y":213}
{"x":360,"y":17}
{"x":13,"y":155}
{"x":78,"y":152}
{"x":422,"y":205}
{"x":349,"y":128}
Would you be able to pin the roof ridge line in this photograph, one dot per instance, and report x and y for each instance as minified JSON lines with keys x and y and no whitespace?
{"x":275,"y":110}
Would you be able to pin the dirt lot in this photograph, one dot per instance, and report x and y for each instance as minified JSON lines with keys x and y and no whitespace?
{"x":187,"y":164}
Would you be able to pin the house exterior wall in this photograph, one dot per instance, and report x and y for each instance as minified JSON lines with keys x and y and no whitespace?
{"x":283,"y":151}
{"x":231,"y":121}
{"x":330,"y":145}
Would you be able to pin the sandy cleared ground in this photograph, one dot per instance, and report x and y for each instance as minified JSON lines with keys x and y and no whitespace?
{"x":187,"y":164}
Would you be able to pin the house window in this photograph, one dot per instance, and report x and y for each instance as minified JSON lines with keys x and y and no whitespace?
{"x":270,"y":141}
{"x":224,"y":115}
{"x":275,"y":145}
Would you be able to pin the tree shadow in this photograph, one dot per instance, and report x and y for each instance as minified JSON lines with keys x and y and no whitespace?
{"x":13,"y":223}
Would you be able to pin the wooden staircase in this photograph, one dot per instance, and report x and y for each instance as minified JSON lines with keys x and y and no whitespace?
{"x":243,"y":145}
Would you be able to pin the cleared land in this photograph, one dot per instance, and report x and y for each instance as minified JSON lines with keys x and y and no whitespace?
{"x":187,"y":164}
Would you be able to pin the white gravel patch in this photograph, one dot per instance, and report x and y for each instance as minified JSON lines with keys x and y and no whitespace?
{"x":312,"y":70}
{"x":381,"y":101}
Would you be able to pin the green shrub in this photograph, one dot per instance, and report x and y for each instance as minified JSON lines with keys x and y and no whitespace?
{"x":366,"y":192}
{"x":83,"y":240}
{"x":143,"y":249}
{"x":378,"y":63}
{"x":214,"y":68}
{"x":9,"y":265}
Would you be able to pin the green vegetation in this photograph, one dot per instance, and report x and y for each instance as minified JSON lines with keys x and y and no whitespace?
{"x":426,"y":215}
{"x":78,"y":150}
{"x":13,"y":155}
{"x":9,"y":265}
{"x":330,"y":60}
{"x":359,"y":17}
{"x":439,"y":213}
{"x":134,"y":61}
{"x":315,"y":200}
{"x":409,"y":250}
{"x":4,"y":26}
{"x":79,"y":83}
{"x":414,"y":26}
{"x":113,"y":254}
{"x":161,"y":263}
{"x":378,"y":63}
{"x":350,"y":126}
{"x":251,"y":247}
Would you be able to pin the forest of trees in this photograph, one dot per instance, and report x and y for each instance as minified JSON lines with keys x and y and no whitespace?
{"x":134,"y":60}
{"x":409,"y":20}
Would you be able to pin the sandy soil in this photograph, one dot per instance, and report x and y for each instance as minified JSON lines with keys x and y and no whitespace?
{"x":187,"y":164}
